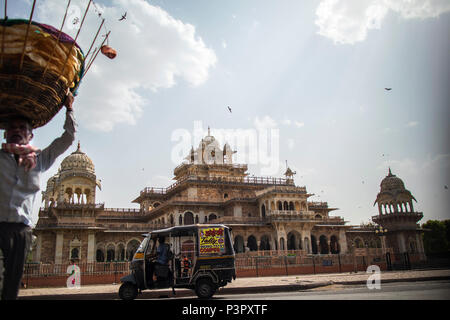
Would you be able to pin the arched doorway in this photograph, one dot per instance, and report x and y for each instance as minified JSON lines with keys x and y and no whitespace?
{"x":323,"y":243}
{"x":188,"y":218}
{"x":334,"y":245}
{"x":239,"y":244}
{"x":110,"y":253}
{"x":251,"y":243}
{"x":294,"y":241}
{"x":265,"y":243}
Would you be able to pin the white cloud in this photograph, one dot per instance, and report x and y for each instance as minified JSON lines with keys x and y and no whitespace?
{"x":348,"y":21}
{"x":412,"y":124}
{"x":299,"y":124}
{"x":224,"y":44}
{"x":265,"y":123}
{"x":291,"y":144}
{"x":154,"y":51}
{"x":421,"y":9}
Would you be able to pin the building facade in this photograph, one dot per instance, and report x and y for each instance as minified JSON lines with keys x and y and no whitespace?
{"x":264,"y":213}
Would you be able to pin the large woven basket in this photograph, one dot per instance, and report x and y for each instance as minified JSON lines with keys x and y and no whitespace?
{"x":37,"y":88}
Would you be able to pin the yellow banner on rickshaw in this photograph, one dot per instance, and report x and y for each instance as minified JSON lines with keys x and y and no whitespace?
{"x":212,"y":240}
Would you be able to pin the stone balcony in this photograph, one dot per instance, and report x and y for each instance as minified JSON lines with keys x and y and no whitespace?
{"x":283,"y":215}
{"x":222,"y":180}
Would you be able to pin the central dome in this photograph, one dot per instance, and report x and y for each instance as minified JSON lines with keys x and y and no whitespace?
{"x":78,"y":161}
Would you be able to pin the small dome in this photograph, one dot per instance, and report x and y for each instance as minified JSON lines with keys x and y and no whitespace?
{"x":78,"y":161}
{"x":392,"y":183}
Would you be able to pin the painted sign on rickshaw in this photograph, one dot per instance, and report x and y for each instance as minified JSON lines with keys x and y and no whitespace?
{"x":212,"y":240}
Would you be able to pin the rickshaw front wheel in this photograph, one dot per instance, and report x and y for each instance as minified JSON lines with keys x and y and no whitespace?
{"x":205,"y":288}
{"x":128,"y":291}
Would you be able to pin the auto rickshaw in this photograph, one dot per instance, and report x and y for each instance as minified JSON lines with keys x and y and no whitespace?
{"x":201,"y":258}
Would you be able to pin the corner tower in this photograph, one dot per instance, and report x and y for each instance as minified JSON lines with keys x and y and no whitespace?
{"x":75,"y":182}
{"x":396,"y":214}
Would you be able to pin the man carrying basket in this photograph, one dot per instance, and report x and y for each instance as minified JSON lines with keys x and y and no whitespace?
{"x":20,"y":168}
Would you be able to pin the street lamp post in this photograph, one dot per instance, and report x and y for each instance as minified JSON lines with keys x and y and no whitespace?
{"x":380,"y":231}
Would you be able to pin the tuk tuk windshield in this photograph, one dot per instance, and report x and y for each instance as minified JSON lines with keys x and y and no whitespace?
{"x":143,"y":244}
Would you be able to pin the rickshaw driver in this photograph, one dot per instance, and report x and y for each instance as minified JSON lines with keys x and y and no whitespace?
{"x":162,"y":257}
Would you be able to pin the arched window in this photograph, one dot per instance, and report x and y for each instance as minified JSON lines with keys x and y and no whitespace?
{"x":359,"y":243}
{"x":120,"y":252}
{"x":212,"y":216}
{"x":291,"y":206}
{"x":282,"y":247}
{"x":263,"y":211}
{"x":196,"y":218}
{"x":75,"y":253}
{"x":110,"y":253}
{"x":180,"y":220}
{"x":285,"y":205}
{"x":100,"y":256}
{"x":280,"y":205}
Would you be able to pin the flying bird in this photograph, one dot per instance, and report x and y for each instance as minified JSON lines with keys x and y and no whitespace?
{"x":124,"y":16}
{"x":229,"y":109}
{"x":445,"y":187}
{"x":388,"y":89}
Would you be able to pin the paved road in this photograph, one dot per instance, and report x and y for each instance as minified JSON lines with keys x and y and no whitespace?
{"x":429,"y":290}
{"x":423,"y":290}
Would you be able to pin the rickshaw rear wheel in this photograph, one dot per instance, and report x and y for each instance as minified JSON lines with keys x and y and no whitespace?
{"x":205,"y":288}
{"x":128,"y":291}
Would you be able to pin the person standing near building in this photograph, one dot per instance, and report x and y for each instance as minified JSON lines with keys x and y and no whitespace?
{"x":20,"y":168}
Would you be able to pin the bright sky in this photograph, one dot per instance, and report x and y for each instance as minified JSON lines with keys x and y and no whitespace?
{"x":309,"y":74}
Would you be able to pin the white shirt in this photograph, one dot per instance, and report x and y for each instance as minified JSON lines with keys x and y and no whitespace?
{"x":18,"y":188}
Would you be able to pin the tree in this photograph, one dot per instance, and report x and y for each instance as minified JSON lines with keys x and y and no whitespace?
{"x":436,"y":237}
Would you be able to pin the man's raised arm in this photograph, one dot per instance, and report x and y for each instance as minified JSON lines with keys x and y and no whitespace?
{"x":60,"y":145}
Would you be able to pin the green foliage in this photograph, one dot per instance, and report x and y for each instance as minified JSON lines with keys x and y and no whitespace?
{"x":436,"y":239}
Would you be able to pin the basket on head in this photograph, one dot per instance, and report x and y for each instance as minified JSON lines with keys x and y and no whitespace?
{"x":36,"y":77}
